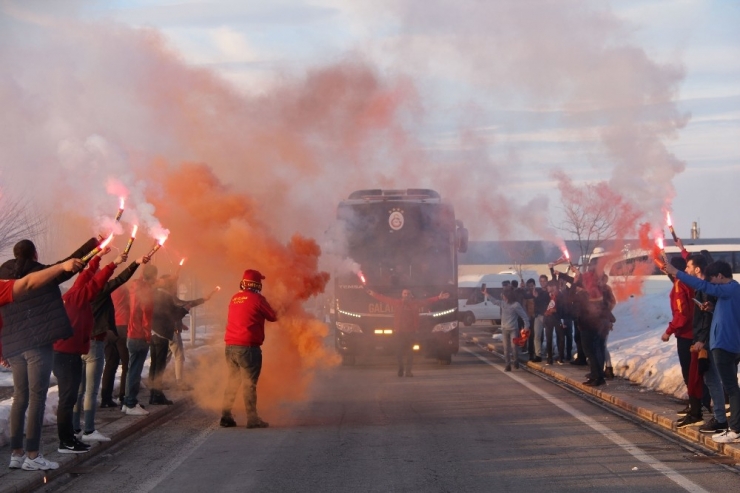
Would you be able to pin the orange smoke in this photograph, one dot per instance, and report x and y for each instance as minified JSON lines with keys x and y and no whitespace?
{"x":223,"y":233}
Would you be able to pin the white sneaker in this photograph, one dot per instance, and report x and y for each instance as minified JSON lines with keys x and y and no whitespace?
{"x":137,"y":410}
{"x":95,"y":436}
{"x":39,"y":464}
{"x":16,"y":461}
{"x":727,"y":436}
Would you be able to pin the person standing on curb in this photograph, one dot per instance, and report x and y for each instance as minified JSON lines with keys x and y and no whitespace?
{"x":511,"y":311}
{"x":724,"y":336}
{"x":245,"y":333}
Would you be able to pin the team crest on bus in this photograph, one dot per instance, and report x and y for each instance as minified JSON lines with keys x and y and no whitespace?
{"x":395,"y":220}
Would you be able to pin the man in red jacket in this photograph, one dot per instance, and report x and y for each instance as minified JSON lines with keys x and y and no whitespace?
{"x":245,"y":333}
{"x":406,"y":323}
{"x":681,"y":326}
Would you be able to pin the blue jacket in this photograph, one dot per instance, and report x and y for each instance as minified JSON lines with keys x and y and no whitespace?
{"x":725,"y":330}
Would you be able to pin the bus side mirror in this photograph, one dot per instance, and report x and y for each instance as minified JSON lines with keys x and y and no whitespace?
{"x":461,"y":237}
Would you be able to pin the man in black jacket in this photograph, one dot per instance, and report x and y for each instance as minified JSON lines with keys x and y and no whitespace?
{"x":31,"y":324}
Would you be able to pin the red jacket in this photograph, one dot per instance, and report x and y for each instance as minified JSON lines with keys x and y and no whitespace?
{"x":142,"y":307}
{"x":79,"y":310}
{"x":405,"y":312}
{"x":122,"y":304}
{"x":245,"y":325}
{"x":6,"y":296}
{"x":683,"y":311}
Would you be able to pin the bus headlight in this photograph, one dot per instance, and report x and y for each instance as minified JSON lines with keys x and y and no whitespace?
{"x":349,"y":328}
{"x":445,"y":327}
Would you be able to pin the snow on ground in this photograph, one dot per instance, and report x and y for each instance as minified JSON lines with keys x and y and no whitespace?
{"x":636,"y":350}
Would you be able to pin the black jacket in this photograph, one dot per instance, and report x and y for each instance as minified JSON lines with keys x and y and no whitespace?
{"x":37,"y":318}
{"x":103,"y":310}
{"x":168,"y":312}
{"x":702,"y":320}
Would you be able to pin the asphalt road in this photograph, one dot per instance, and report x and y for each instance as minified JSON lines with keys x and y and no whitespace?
{"x":465,"y":427}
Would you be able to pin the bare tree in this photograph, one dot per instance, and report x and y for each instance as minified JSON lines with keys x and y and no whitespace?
{"x":17,"y":221}
{"x":594,"y":214}
{"x":520,"y":253}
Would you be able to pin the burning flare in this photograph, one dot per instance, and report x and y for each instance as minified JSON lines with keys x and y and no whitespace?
{"x":131,"y":240}
{"x":362,"y":277}
{"x":120,"y":209}
{"x":670,"y":226}
{"x":157,"y":245}
{"x":97,"y":249}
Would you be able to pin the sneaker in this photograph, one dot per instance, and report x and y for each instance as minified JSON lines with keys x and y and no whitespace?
{"x":688,"y":420}
{"x":548,"y":363}
{"x":516,"y":365}
{"x":257,"y":423}
{"x":728,"y":436}
{"x":508,"y":368}
{"x":577,"y":362}
{"x":227,"y":421}
{"x":137,"y":410}
{"x":106,"y":404}
{"x":560,"y":362}
{"x":94,"y":436}
{"x":684,"y":411}
{"x":713,"y":426}
{"x":594,"y":383}
{"x":73,"y":447}
{"x":39,"y":464}
{"x":16,"y":461}
{"x":536,"y":359}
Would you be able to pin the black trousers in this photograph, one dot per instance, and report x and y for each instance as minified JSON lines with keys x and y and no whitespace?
{"x":159,"y":348}
{"x":592,"y":347}
{"x":68,"y":370}
{"x":115,"y":352}
{"x":553,"y":324}
{"x":579,"y":343}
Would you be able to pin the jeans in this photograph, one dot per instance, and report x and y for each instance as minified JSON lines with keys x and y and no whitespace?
{"x":405,"y":350}
{"x":244,"y":364}
{"x":726,"y":364}
{"x":607,"y":354}
{"x":510,"y":349}
{"x":178,"y":354}
{"x":568,"y":322}
{"x":137,"y":350}
{"x":68,"y":370}
{"x":714,"y":384}
{"x":87,"y":397}
{"x":31,"y":374}
{"x":115,"y":352}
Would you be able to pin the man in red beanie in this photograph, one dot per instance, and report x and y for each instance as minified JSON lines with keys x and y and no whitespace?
{"x":245,"y":333}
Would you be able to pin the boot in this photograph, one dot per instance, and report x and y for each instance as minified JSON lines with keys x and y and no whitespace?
{"x":609,"y":373}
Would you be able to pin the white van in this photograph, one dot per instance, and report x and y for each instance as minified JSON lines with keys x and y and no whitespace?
{"x":470,"y":300}
{"x":638,"y":264}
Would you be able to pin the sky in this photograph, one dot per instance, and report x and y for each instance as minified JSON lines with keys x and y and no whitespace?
{"x":252,"y":44}
{"x":481,"y":100}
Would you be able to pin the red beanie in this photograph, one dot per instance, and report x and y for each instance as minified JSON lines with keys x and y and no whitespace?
{"x":252,"y":275}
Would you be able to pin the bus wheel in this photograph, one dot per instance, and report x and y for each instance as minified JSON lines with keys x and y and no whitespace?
{"x":348,"y":360}
{"x":445,"y":359}
{"x":468,"y":319}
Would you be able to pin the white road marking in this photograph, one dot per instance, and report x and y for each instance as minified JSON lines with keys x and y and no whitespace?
{"x":175,"y":461}
{"x":626,"y":445}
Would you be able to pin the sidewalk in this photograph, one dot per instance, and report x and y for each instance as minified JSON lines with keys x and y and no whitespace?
{"x":644,"y":404}
{"x":111,"y":422}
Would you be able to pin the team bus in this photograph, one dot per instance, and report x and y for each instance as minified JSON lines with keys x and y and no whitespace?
{"x":638,"y":264}
{"x":396,"y":239}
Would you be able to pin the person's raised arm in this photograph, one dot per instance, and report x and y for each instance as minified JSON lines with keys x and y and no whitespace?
{"x":37,"y":279}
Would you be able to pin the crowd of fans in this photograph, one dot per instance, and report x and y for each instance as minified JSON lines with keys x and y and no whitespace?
{"x":81,"y":337}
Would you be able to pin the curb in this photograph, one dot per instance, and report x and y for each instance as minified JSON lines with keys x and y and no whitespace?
{"x":688,"y":433}
{"x":68,"y":463}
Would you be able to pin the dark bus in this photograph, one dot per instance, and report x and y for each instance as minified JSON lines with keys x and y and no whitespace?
{"x":395,"y":240}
